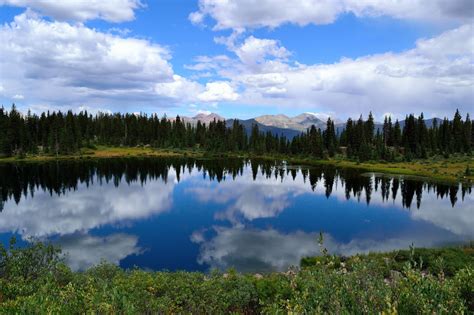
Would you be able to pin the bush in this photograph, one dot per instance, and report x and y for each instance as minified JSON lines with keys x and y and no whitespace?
{"x":35,"y":280}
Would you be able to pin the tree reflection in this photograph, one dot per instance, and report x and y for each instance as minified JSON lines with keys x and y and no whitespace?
{"x":21,"y":180}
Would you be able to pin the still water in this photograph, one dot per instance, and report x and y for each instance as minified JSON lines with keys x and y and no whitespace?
{"x":255,"y":216}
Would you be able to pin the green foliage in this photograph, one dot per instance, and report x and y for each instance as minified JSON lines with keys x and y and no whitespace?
{"x":447,"y":261}
{"x":59,"y":133}
{"x":34,"y":280}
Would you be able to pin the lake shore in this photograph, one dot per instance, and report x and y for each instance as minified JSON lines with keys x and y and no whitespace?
{"x":35,"y":280}
{"x":450,"y":170}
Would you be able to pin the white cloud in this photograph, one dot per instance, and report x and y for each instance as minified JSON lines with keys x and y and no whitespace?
{"x":180,"y":89}
{"x":435,"y":77}
{"x":209,"y":63}
{"x":241,"y":14}
{"x":264,"y":79}
{"x":59,"y":63}
{"x":256,"y":51}
{"x":203,"y":112}
{"x":196,"y":17}
{"x":274,"y":91}
{"x":218,"y":91}
{"x":81,"y":10}
{"x":18,"y":97}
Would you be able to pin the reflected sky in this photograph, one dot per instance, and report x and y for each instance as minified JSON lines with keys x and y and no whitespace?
{"x":197,"y":215}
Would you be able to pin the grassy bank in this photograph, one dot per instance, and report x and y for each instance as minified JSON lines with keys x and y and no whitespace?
{"x":104,"y":152}
{"x":440,"y":169}
{"x":34,"y":280}
{"x":452,"y":169}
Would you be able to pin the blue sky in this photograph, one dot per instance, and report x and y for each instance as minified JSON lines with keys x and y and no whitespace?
{"x":239,"y":58}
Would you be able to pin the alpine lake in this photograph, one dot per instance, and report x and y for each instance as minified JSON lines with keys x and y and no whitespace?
{"x":201,"y":214}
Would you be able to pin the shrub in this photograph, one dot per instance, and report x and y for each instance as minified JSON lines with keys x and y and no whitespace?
{"x":35,"y":280}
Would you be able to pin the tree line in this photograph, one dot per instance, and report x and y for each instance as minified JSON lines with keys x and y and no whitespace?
{"x":66,"y":133}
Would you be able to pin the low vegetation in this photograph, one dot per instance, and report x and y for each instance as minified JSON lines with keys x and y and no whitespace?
{"x":421,"y":281}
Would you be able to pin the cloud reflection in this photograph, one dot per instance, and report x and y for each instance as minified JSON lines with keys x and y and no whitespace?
{"x":71,"y":214}
{"x":84,"y":251}
{"x":263,"y":250}
{"x":86,"y":208}
{"x":247,"y":199}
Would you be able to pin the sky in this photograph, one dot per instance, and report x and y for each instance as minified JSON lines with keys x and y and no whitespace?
{"x":239,"y":58}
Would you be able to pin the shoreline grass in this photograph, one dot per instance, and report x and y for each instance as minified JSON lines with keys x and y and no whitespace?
{"x":450,"y":170}
{"x":445,"y":170}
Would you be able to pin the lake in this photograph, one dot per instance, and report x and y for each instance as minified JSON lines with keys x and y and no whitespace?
{"x":196,"y":215}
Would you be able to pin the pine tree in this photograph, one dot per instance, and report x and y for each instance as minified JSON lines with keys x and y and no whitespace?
{"x":330,"y":139}
{"x":315,"y":142}
{"x":467,"y":137}
{"x":397,"y":134}
{"x":4,"y":128}
{"x":457,"y":132}
{"x":422,"y":137}
{"x":369,"y":129}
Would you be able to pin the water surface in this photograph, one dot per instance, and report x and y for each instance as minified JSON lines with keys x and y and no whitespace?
{"x":183,"y":214}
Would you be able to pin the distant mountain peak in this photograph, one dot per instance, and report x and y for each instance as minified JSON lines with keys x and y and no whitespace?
{"x":300,"y":122}
{"x":324,"y":117}
{"x":306,"y":117}
{"x":206,"y":117}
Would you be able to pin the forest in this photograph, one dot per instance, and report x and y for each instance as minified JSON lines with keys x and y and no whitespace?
{"x":58,"y":133}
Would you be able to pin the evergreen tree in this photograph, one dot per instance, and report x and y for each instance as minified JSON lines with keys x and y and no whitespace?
{"x":458,"y":132}
{"x":397,"y":134}
{"x":330,"y":139}
{"x":467,"y":137}
{"x":65,"y":133}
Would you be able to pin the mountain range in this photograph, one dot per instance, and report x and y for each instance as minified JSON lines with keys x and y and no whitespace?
{"x":283,"y":125}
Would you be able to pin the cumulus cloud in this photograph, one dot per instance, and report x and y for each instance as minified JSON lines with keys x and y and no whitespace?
{"x":81,"y":10}
{"x":434,"y":76}
{"x":83,"y":251}
{"x":180,"y":89}
{"x":218,"y":91}
{"x":241,"y":14}
{"x":255,"y":51}
{"x":60,"y":63}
